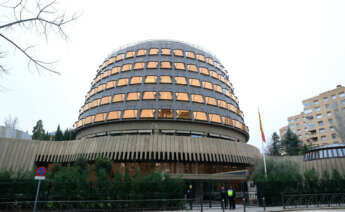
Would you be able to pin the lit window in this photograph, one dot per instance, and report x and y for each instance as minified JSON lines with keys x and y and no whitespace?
{"x":130,"y":54}
{"x":122,"y":82}
{"x":200,"y":57}
{"x":101,"y":87}
{"x":207,"y":85}
{"x":181,"y":80}
{"x":211,"y":101}
{"x":110,"y":84}
{"x":119,"y":97}
{"x":119,"y":57}
{"x":200,"y":116}
{"x":165,"y":95}
{"x":139,"y":66}
{"x":153,"y":52}
{"x":133,"y":96}
{"x":100,"y":117}
{"x":192,"y":68}
{"x":106,"y":74}
{"x":95,"y":103}
{"x":152,"y":64}
{"x":214,"y":74}
{"x":203,"y":70}
{"x":151,"y":79}
{"x":114,"y":115}
{"x":232,"y":108}
{"x":130,"y":114}
{"x":147,"y":113}
{"x":105,"y":100}
{"x":115,"y":70}
{"x":126,"y":67}
{"x":183,"y":114}
{"x":165,"y":114}
{"x":166,"y":52}
{"x":214,"y":118}
{"x":227,"y":121}
{"x":194,"y":82}
{"x":136,"y":80}
{"x":141,"y":52}
{"x":209,"y":61}
{"x":217,"y":65}
{"x":179,"y":66}
{"x":149,"y":95}
{"x":190,"y":55}
{"x":165,"y":79}
{"x":182,"y":97}
{"x":178,"y":52}
{"x":222,"y":104}
{"x":197,"y":98}
{"x":218,"y":88}
{"x":89,"y":119}
{"x":166,"y":65}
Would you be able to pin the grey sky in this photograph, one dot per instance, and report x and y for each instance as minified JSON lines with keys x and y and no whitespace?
{"x":277,"y":53}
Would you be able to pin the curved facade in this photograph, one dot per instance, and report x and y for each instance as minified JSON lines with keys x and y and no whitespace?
{"x":162,"y":87}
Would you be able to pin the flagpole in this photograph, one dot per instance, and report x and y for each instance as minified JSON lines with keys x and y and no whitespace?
{"x":262,"y":143}
{"x":264,"y":157}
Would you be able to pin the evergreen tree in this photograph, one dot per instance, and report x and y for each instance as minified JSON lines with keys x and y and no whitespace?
{"x":274,"y":146}
{"x":291,"y":143}
{"x":58,"y":134}
{"x":38,"y":132}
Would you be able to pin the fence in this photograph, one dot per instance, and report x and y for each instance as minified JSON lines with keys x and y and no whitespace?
{"x":313,"y":200}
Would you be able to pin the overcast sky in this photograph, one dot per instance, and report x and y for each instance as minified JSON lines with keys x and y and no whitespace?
{"x":277,"y":54}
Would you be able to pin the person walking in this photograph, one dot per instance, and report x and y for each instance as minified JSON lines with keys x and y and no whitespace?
{"x":190,"y":196}
{"x":223,"y":197}
{"x":231,"y":197}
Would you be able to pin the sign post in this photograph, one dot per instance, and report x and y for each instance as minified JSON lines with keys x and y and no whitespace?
{"x":40,"y":175}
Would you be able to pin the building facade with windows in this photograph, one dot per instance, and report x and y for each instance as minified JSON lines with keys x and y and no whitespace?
{"x":321,"y":122}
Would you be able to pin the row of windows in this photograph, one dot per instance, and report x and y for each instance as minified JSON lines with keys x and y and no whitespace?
{"x":163,"y":80}
{"x":161,"y":114}
{"x":163,"y":52}
{"x":325,"y":153}
{"x":163,"y":65}
{"x":163,"y":95}
{"x":325,"y":99}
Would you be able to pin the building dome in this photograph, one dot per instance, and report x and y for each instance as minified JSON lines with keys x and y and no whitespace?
{"x":162,"y":87}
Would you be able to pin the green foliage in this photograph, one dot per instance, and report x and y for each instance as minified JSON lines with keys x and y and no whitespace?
{"x":291,"y":143}
{"x":58,"y":134}
{"x":274,"y":146}
{"x":311,"y":181}
{"x":38,"y":132}
{"x":69,"y":134}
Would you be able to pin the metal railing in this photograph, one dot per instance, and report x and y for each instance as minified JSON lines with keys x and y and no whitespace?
{"x":323,"y":200}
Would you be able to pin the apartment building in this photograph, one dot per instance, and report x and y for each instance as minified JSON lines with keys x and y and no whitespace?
{"x":316,"y":125}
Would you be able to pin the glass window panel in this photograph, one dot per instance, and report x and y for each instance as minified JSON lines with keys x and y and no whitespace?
{"x":119,"y":97}
{"x":166,"y":52}
{"x":165,"y":95}
{"x":139,"y":66}
{"x":232,"y":108}
{"x":222,"y":104}
{"x":114,"y":115}
{"x":182,"y":97}
{"x":227,"y":121}
{"x":106,"y":100}
{"x":178,"y":52}
{"x":110,"y":84}
{"x":165,"y":114}
{"x":197,"y":98}
{"x":203,"y":70}
{"x":141,"y":52}
{"x":122,"y":82}
{"x":152,"y":64}
{"x":165,"y":79}
{"x":147,"y":113}
{"x":207,"y":85}
{"x":192,"y":68}
{"x":101,"y":87}
{"x":126,"y":67}
{"x":149,"y":95}
{"x":183,"y":114}
{"x":211,"y":101}
{"x":153,"y":51}
{"x":200,"y":116}
{"x":89,"y":119}
{"x":190,"y":55}
{"x":194,"y":82}
{"x":329,"y":151}
{"x":214,"y":74}
{"x":130,"y":54}
{"x":214,"y":118}
{"x":100,"y":117}
{"x":218,"y":88}
{"x":136,"y":80}
{"x":115,"y":70}
{"x":166,"y":65}
{"x":119,"y":57}
{"x":107,"y":73}
{"x":133,"y":96}
{"x":181,"y":80}
{"x":130,"y":114}
{"x":209,"y":61}
{"x":200,"y":57}
{"x":335,"y":153}
{"x":340,"y":153}
{"x":151,"y":79}
{"x":179,"y":66}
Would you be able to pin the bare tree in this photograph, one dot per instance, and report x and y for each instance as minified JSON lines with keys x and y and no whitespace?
{"x":31,"y":15}
{"x":11,"y":122}
{"x":339,"y":121}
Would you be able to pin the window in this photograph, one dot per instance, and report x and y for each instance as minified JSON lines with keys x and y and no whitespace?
{"x":139,"y":66}
{"x":329,"y":113}
{"x":136,"y":80}
{"x":227,"y":121}
{"x":119,"y":97}
{"x":114,"y":115}
{"x":214,"y":118}
{"x":200,"y":116}
{"x":327,"y":106}
{"x":122,"y":82}
{"x":130,"y":114}
{"x":317,"y":109}
{"x":334,"y":96}
{"x":319,"y":116}
{"x":211,"y":101}
{"x":141,"y":52}
{"x":320,"y":123}
{"x":165,"y":114}
{"x":330,"y":121}
{"x":100,"y":117}
{"x":153,"y":51}
{"x":325,"y":99}
{"x":192,"y":68}
{"x":307,"y":104}
{"x":332,"y":129}
{"x":190,"y":55}
{"x":200,"y":57}
{"x":322,"y":130}
{"x":178,"y":52}
{"x":166,"y":65}
{"x":181,"y":80}
{"x":182,"y":97}
{"x":343,"y":102}
{"x":151,"y":79}
{"x":207,"y":85}
{"x":197,"y":98}
{"x":152,"y":64}
{"x":214,"y":74}
{"x":203,"y":70}
{"x":316,"y":102}
{"x":95,"y":103}
{"x":149,"y":95}
{"x":165,"y":95}
{"x":101,"y":87}
{"x":126,"y":67}
{"x":89,"y":119}
{"x":342,"y":94}
{"x":147,"y":113}
{"x":133,"y":96}
{"x":209,"y":61}
{"x":166,"y":52}
{"x":194,"y":82}
{"x":105,"y":100}
{"x":222,"y":104}
{"x":115,"y":70}
{"x":179,"y":66}
{"x":110,"y":84}
{"x":183,"y":114}
{"x":218,"y":88}
{"x":130,"y":54}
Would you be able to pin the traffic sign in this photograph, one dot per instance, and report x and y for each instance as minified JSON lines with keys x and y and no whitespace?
{"x":40,"y":177}
{"x":41,"y":171}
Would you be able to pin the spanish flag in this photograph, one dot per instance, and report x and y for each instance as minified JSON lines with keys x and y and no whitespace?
{"x":262,"y":131}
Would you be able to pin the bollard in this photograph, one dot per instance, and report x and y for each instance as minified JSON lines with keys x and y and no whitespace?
{"x":201,"y":208}
{"x":244,"y":204}
{"x":223,"y":204}
{"x":263,"y":199}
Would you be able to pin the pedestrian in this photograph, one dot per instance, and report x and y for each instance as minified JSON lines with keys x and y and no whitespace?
{"x":231,"y":197}
{"x":190,"y":196}
{"x":223,"y":197}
